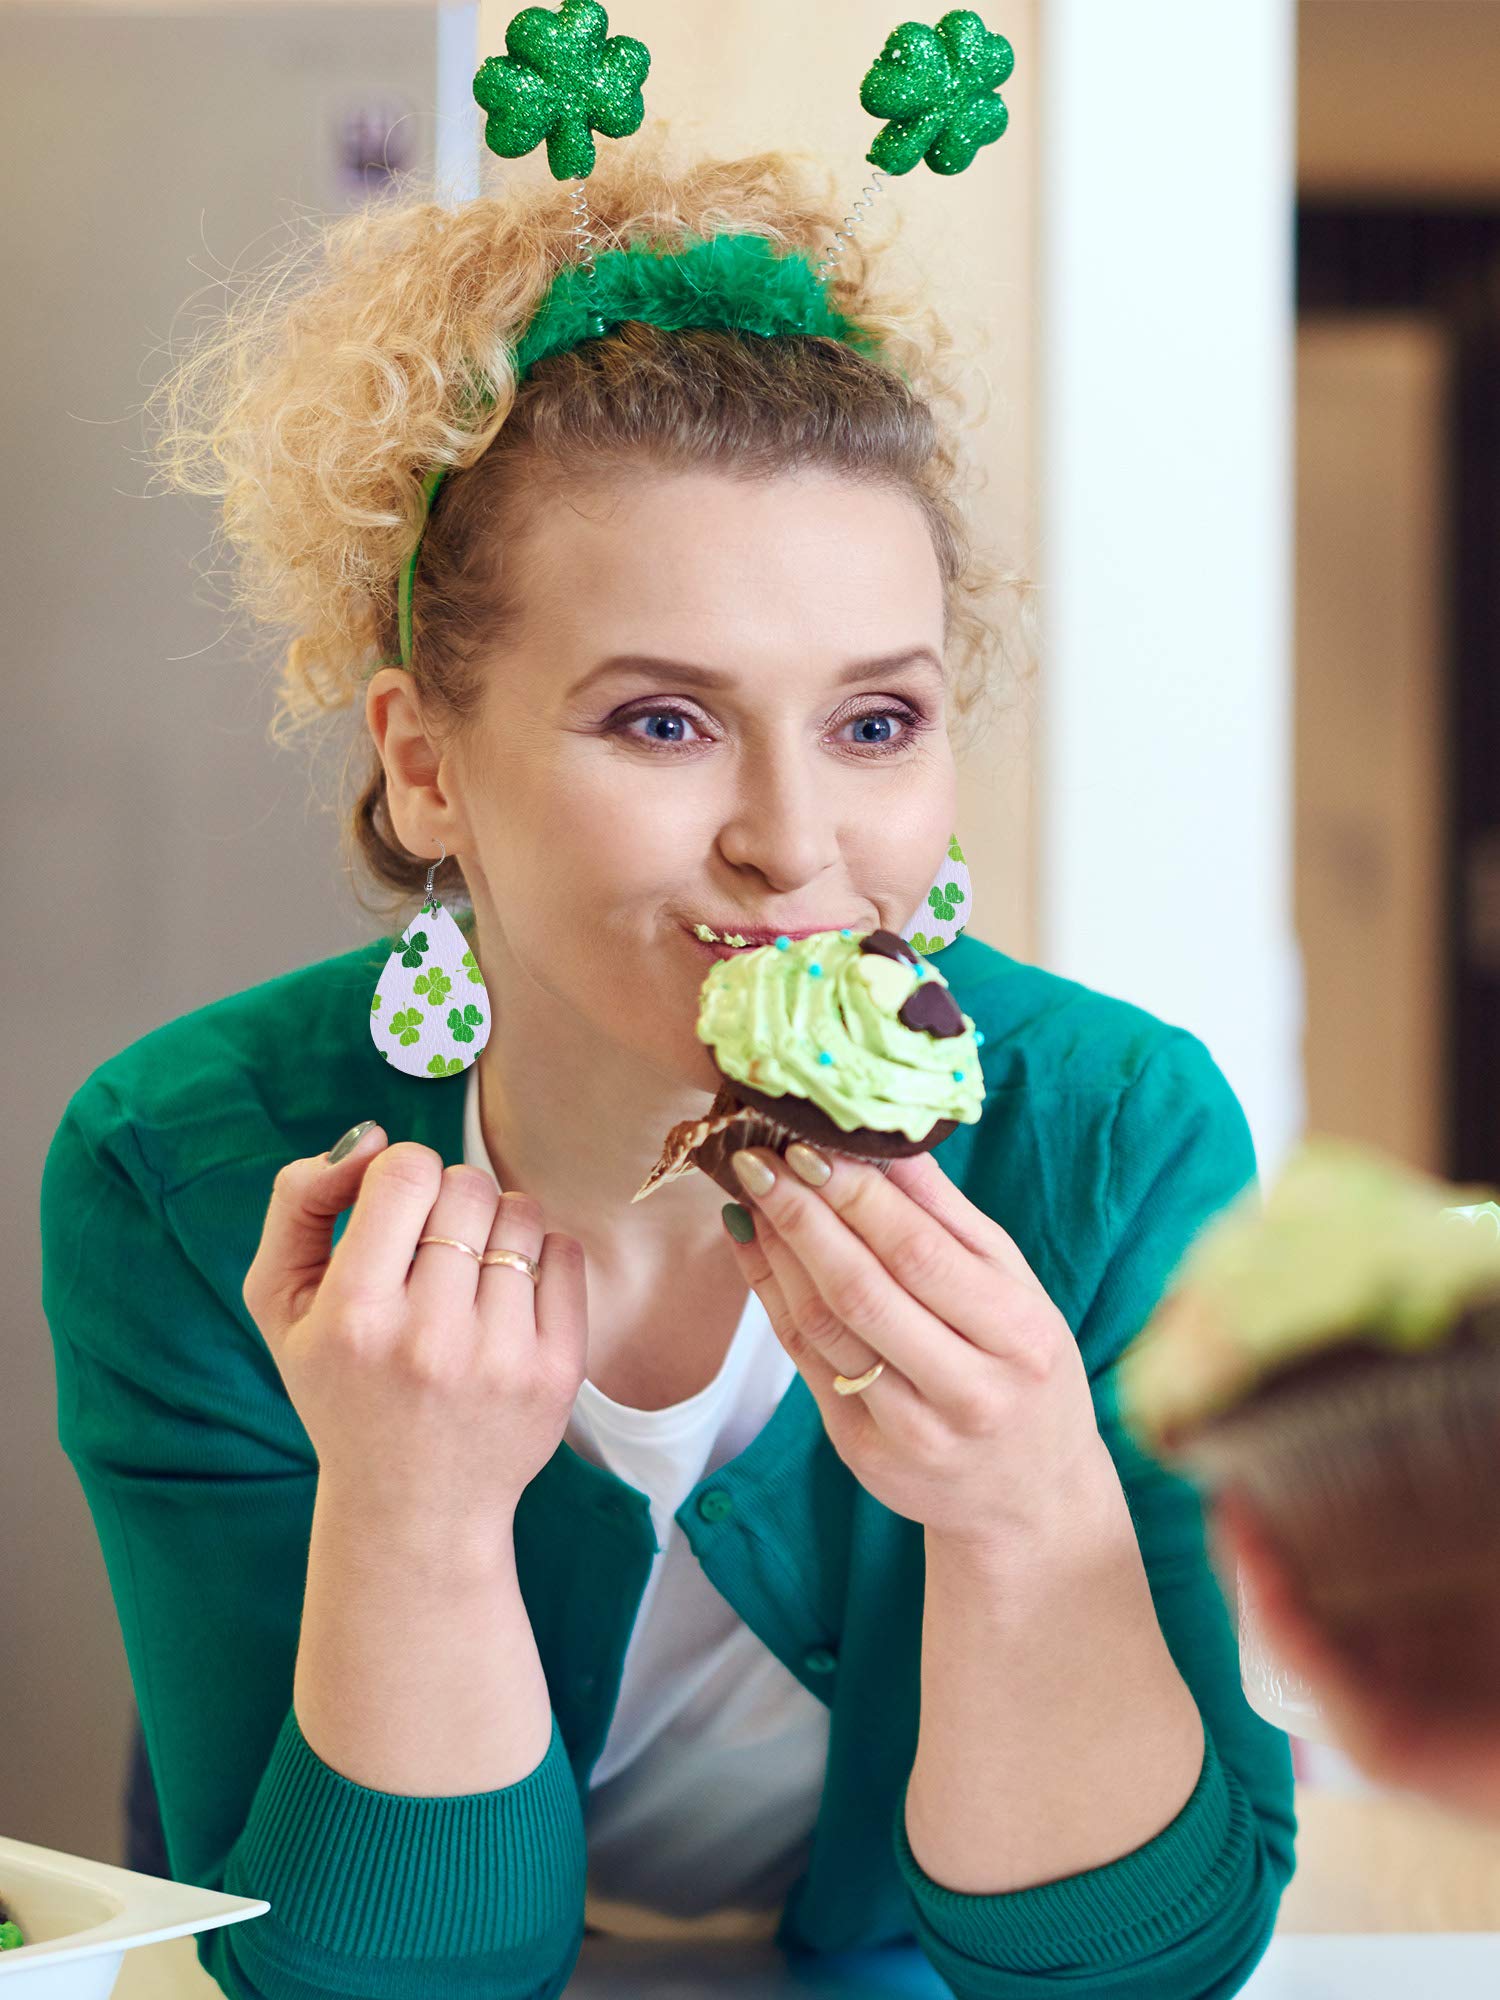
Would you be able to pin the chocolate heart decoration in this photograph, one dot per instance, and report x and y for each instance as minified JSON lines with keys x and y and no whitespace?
{"x":886,"y":944}
{"x":933,"y":1009}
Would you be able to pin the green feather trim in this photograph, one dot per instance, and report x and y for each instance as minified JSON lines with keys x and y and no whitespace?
{"x":742,"y":283}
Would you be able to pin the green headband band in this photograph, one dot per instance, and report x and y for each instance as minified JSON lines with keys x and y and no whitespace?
{"x":740,"y":283}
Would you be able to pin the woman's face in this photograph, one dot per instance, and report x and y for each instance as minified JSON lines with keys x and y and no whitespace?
{"x":757,"y":775}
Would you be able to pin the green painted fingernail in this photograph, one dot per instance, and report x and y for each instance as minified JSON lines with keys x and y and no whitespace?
{"x":343,"y":1147}
{"x":738,"y":1221}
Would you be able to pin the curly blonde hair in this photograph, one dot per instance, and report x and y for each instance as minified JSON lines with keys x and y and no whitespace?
{"x":344,"y":371}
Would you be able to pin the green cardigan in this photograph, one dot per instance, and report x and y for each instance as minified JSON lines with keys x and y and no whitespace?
{"x":1107,"y":1138}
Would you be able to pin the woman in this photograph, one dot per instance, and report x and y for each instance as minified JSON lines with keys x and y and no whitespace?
{"x":449,"y":1596}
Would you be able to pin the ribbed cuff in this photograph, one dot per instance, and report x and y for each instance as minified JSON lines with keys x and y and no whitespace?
{"x":378,"y":1875}
{"x":1112,"y":1916}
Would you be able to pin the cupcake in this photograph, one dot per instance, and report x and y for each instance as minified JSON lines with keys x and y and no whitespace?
{"x":850,"y":1042}
{"x":1334,"y":1357}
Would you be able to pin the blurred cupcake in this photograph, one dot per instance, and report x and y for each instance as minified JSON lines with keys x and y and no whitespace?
{"x":850,"y":1042}
{"x":1334,"y":1356}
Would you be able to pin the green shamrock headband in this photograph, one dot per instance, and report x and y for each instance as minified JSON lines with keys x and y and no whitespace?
{"x":564,"y":77}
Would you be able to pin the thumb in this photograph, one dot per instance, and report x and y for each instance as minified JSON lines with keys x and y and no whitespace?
{"x":307,"y":1198}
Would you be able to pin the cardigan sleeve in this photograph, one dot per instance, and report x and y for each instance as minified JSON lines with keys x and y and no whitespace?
{"x":201,"y":1479}
{"x":1189,"y":1914}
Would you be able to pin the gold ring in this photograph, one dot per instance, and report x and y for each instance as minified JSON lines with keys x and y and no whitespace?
{"x":848,"y":1385}
{"x":511,"y":1257}
{"x":457,"y":1245}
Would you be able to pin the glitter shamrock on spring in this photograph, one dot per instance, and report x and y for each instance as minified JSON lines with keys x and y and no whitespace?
{"x":939,"y":87}
{"x":563,"y":79}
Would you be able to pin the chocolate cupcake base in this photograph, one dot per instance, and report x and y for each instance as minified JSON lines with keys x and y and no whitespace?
{"x":741,"y":1117}
{"x":1376,"y":1474}
{"x":803,"y":1120}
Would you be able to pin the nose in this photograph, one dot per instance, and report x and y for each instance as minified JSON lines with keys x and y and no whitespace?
{"x":782,"y":823}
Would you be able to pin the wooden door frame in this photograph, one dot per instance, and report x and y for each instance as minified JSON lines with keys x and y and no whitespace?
{"x":1443,"y":260}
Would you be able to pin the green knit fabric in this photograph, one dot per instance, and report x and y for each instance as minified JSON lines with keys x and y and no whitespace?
{"x":1108,"y":1137}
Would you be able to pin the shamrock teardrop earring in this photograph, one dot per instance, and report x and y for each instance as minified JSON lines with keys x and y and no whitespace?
{"x":945,"y":910}
{"x":431,"y":1014}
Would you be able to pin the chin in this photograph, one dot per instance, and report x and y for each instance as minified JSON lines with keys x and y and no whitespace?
{"x":695,"y":1070}
{"x":705,"y":1072}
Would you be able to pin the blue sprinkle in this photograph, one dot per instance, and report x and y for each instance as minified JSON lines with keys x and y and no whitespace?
{"x":958,"y":1076}
{"x":783,"y":943}
{"x":824,"y":1057}
{"x":815,"y":972}
{"x":979,"y":1038}
{"x":846,"y":933}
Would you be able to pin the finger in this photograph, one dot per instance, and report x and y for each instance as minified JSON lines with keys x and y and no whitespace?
{"x":835,"y":1349}
{"x":854,"y":1289}
{"x":763,"y":1281}
{"x":296,"y":1239}
{"x":922,"y":1178}
{"x":844,"y":1301}
{"x":372,"y":1259}
{"x":443,"y":1278}
{"x":971,"y":1291}
{"x":561,"y":1303}
{"x":515,"y":1225}
{"x":815,"y":1368}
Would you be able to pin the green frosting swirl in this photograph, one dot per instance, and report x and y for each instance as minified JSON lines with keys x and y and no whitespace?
{"x":770,"y":1014}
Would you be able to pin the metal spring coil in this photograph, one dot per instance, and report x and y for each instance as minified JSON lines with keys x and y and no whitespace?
{"x":579,"y":202}
{"x":869,"y":195}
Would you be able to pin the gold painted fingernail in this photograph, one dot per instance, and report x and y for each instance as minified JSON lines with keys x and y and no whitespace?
{"x":807,"y":1165}
{"x":753,"y":1172}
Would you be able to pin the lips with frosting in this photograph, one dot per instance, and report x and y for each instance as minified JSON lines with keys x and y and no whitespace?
{"x":851,"y":1042}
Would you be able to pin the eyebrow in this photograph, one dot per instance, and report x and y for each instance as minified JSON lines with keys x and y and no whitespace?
{"x":691,"y":675}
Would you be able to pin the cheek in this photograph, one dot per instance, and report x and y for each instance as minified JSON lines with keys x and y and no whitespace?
{"x":625,"y":828}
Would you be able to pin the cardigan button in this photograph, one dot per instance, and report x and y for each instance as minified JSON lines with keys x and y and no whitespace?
{"x":716,"y":1504}
{"x":819,"y":1660}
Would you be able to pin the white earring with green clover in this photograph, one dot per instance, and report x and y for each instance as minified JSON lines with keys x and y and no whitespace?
{"x":430,"y":1014}
{"x":942,"y":914}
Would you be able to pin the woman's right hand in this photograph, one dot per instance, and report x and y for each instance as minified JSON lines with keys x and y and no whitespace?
{"x":433,"y":1389}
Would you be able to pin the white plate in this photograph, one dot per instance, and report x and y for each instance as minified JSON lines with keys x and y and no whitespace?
{"x":80,"y":1917}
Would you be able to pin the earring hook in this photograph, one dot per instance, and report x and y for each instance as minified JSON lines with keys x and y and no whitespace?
{"x":434,"y":869}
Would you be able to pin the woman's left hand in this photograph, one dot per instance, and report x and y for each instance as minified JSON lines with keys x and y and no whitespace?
{"x":982,"y":1424}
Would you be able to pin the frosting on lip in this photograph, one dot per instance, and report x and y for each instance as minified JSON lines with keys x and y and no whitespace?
{"x":1350,"y":1244}
{"x":817,"y":1018}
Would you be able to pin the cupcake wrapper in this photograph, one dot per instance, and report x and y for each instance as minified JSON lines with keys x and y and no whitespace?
{"x":1380,"y":1486}
{"x":754,"y":1128}
{"x":706,"y":1144}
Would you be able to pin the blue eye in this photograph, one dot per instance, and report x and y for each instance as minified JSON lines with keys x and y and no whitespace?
{"x":912,"y":725}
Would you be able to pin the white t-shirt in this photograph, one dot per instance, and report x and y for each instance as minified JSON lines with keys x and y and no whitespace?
{"x":702,"y":1802}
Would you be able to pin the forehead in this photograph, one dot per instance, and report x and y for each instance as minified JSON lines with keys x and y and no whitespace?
{"x":716,"y":560}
